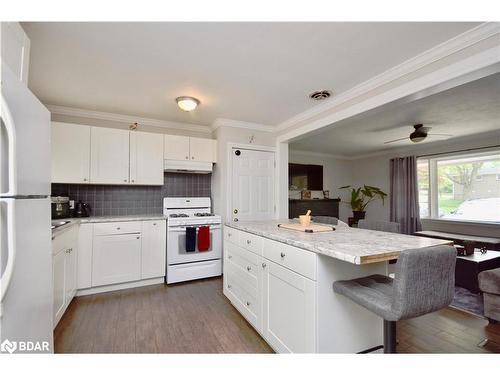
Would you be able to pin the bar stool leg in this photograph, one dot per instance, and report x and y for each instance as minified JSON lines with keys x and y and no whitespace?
{"x":389,"y":337}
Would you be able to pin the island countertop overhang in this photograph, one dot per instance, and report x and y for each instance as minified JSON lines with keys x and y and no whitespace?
{"x":353,"y":245}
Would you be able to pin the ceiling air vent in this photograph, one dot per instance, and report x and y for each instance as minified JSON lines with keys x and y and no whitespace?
{"x":320,"y":95}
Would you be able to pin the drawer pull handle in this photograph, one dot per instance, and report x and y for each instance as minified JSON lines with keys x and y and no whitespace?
{"x":282,"y":255}
{"x":249,"y":268}
{"x":264,"y":265}
{"x":248,"y":303}
{"x":249,"y":242}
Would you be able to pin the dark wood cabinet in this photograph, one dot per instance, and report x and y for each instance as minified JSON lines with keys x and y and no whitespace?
{"x":318,"y":207}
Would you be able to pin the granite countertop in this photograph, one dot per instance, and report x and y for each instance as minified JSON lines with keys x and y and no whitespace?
{"x":358,"y":246}
{"x":102,"y":219}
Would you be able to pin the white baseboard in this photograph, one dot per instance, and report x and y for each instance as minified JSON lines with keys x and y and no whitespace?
{"x":110,"y":288}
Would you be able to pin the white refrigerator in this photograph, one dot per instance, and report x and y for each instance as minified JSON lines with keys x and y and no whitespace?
{"x":25,"y":257}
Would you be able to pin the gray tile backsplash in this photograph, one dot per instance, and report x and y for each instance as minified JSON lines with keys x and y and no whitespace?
{"x":107,"y":200}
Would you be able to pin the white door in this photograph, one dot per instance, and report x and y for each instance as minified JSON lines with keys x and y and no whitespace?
{"x":24,"y":140}
{"x":116,"y":259}
{"x":146,"y":158}
{"x":154,"y":249}
{"x":202,"y":149}
{"x":252,"y":189}
{"x":70,"y":153}
{"x":176,"y":147}
{"x":288,"y":310}
{"x":58,"y":272}
{"x":109,"y":156}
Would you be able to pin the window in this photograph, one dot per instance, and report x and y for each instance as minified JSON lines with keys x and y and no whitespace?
{"x":460,"y":187}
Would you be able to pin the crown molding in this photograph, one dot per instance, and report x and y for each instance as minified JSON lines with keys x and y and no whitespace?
{"x":77,"y":112}
{"x":326,"y":155}
{"x":432,"y":55}
{"x":242,"y":125}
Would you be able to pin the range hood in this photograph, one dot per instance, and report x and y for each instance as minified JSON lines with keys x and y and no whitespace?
{"x":187,"y":166}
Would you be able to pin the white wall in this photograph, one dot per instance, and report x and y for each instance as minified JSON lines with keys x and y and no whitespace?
{"x":336,"y":173}
{"x":374,"y":170}
{"x":224,"y":136}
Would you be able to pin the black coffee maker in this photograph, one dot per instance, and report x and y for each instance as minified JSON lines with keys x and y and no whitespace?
{"x":82,"y":209}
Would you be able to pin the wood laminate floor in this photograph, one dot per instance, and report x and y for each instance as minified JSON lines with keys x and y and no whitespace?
{"x":195,"y":317}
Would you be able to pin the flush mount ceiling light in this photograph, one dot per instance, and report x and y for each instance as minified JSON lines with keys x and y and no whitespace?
{"x":187,"y":103}
{"x":320,"y":95}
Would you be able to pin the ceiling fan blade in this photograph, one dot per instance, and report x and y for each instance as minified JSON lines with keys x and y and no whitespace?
{"x":395,"y":140}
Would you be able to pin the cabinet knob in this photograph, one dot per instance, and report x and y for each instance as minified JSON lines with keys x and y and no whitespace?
{"x":229,"y":256}
{"x":192,"y":157}
{"x":187,"y":157}
{"x":133,"y":180}
{"x":248,"y":303}
{"x":154,"y":224}
{"x":249,"y":268}
{"x":228,"y":286}
{"x":117,"y":228}
{"x":125,"y":180}
{"x":282,"y":255}
{"x":235,"y":219}
{"x":249,"y":242}
{"x":264,"y":265}
{"x":84,"y":179}
{"x":229,"y":234}
{"x":138,"y":237}
{"x":235,"y":211}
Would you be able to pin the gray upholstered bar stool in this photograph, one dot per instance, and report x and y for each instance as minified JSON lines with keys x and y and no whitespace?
{"x":384,"y":226}
{"x":424,"y":282}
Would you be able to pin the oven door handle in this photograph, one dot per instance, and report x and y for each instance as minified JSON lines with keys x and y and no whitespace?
{"x":183,"y":228}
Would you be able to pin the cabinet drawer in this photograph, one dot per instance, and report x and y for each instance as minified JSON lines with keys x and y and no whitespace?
{"x":250,"y":242}
{"x":231,"y":235}
{"x":118,"y":227}
{"x":245,"y":264}
{"x":245,"y":302}
{"x":65,"y":240}
{"x":301,"y":261}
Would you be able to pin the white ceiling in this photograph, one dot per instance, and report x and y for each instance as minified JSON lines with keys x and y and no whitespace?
{"x":466,"y":110}
{"x":255,"y":72}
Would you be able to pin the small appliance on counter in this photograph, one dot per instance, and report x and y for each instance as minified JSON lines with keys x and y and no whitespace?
{"x":82,"y":209}
{"x":60,"y":207}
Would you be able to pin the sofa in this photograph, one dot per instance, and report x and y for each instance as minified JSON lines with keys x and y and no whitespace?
{"x":489,"y":283}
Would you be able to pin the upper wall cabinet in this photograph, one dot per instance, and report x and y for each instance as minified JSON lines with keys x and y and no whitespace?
{"x":146,"y":158}
{"x":189,"y":148}
{"x":109,"y":155}
{"x":15,"y":49}
{"x":70,"y":153}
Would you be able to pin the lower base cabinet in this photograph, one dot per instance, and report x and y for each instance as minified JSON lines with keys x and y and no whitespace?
{"x":279,"y":302}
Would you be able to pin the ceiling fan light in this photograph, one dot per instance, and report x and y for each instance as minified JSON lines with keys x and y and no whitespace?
{"x":187,"y":103}
{"x":417,"y":137}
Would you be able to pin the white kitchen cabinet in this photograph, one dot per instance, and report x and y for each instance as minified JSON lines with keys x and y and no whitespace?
{"x":202,"y":149}
{"x":146,"y":158}
{"x":176,"y":147}
{"x":15,"y":49}
{"x":58,"y":272}
{"x":289,"y":310}
{"x":109,"y":156}
{"x":64,"y":269}
{"x":116,"y":258}
{"x":84,"y":263}
{"x":154,"y":252}
{"x":70,"y":153}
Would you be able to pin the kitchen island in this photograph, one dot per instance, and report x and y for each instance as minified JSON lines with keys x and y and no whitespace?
{"x":281,"y":282}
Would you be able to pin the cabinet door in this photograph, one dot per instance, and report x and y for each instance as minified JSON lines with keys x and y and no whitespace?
{"x":154,"y":249}
{"x":15,"y":49}
{"x":176,"y":147}
{"x":202,"y":149}
{"x":289,"y":310}
{"x":58,"y":274}
{"x":146,"y":158}
{"x":84,"y":256}
{"x":116,"y":259}
{"x":109,"y":156}
{"x":70,"y":153}
{"x":70,"y":279}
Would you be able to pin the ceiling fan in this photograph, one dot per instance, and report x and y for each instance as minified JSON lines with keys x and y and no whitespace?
{"x":419,"y":134}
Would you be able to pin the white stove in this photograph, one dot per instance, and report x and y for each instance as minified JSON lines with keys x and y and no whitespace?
{"x":183,"y":261}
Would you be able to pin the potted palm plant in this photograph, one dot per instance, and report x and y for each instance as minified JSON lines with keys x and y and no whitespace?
{"x":361,"y":197}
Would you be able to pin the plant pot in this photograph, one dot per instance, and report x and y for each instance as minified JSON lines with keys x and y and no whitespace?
{"x":358,"y":215}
